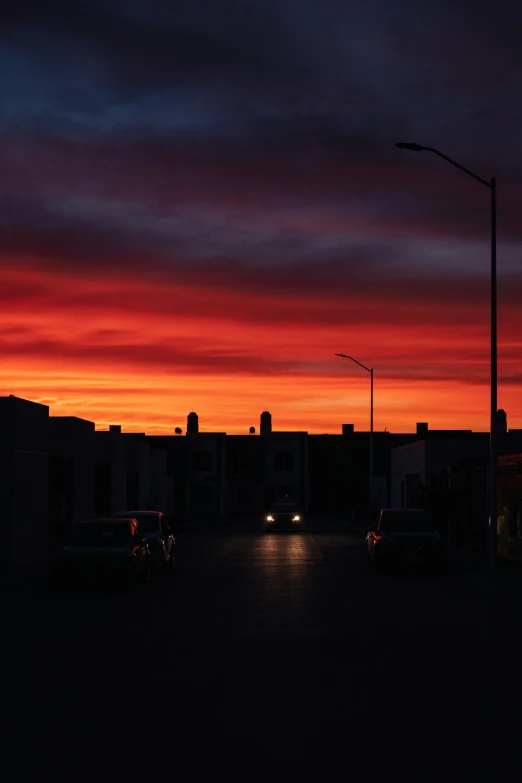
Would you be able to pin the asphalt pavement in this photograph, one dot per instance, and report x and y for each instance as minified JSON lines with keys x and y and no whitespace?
{"x":265,"y":657}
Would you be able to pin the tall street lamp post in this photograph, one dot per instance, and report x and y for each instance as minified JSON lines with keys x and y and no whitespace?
{"x":370,"y":482}
{"x":493,"y":446}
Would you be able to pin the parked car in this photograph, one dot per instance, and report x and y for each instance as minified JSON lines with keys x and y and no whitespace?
{"x":282,"y":516}
{"x":103,"y":550}
{"x":160,"y":538}
{"x":404,"y":535}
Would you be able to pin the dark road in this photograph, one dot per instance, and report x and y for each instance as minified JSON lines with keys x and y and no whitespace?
{"x":268,"y":656}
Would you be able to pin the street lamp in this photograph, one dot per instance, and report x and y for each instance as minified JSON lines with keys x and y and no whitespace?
{"x":370,"y":370}
{"x":492,"y":510}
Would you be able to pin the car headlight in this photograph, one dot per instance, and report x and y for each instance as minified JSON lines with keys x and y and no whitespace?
{"x":296,"y":518}
{"x":270,"y":518}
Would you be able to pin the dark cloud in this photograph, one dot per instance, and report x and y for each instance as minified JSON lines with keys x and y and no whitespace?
{"x":155,"y":46}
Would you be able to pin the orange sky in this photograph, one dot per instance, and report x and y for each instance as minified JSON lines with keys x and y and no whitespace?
{"x":143,"y":350}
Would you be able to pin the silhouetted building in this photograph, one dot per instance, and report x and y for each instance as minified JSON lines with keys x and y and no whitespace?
{"x":205,"y":490}
{"x":58,"y":470}
{"x":71,"y":474}
{"x":161,"y":489}
{"x":177,"y":468}
{"x":416,"y":465}
{"x":192,"y":423}
{"x":245,"y":474}
{"x":138,"y":475}
{"x":266,"y":423}
{"x":286,"y":468}
{"x":110,"y":472}
{"x":340,"y":467}
{"x":24,"y":483}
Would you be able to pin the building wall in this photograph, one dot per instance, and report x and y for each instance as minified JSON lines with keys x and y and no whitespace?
{"x":24,"y":482}
{"x":409,"y":460}
{"x":71,"y":440}
{"x":286,"y":467}
{"x":418,"y":464}
{"x":206,"y":474}
{"x":161,"y":485}
{"x":176,"y":450}
{"x":331,"y":479}
{"x":110,"y":472}
{"x":244,"y":474}
{"x":443,"y":453}
{"x":138,"y":472}
{"x":166,"y":501}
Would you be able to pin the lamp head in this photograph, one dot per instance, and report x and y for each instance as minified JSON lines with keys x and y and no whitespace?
{"x":410,"y":145}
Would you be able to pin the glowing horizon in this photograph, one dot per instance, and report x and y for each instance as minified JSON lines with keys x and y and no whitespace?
{"x":76,"y":344}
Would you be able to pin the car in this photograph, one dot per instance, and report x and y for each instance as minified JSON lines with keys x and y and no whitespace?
{"x":103,"y":550}
{"x":404,"y":536}
{"x":282,"y":516}
{"x":160,"y":538}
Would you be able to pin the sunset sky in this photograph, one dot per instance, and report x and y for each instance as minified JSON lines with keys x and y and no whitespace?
{"x":202,"y":202}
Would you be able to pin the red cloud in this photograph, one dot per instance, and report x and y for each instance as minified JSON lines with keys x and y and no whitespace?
{"x":79,"y":339}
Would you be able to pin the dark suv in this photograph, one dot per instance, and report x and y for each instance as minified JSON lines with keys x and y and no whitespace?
{"x":404,"y":535}
{"x":159,"y":535}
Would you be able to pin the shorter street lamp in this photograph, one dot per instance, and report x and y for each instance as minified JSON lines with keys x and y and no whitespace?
{"x":370,"y":482}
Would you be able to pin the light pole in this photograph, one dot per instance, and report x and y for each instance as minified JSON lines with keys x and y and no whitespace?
{"x":370,"y":482}
{"x":492,"y":510}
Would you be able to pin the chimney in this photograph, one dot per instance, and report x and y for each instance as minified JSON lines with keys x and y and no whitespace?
{"x":501,"y":422}
{"x":422,"y":428}
{"x":348,"y":429}
{"x":192,"y":423}
{"x":115,"y":428}
{"x":266,"y":423}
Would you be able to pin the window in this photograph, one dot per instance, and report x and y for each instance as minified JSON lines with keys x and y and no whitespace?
{"x":238,"y":461}
{"x":202,"y":460}
{"x":284,"y":461}
{"x":201,"y":494}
